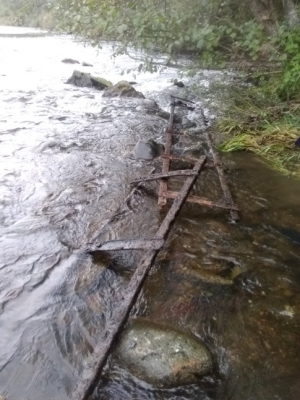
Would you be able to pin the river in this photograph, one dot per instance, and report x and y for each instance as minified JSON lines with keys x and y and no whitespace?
{"x":65,"y":165}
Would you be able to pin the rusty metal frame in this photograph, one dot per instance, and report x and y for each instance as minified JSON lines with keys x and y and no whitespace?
{"x":125,"y":300}
{"x":164,"y":193}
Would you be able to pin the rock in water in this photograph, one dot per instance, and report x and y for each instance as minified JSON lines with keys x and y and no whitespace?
{"x":85,"y":64}
{"x":148,"y":150}
{"x":162,"y":356}
{"x":84,"y":79}
{"x":69,"y":61}
{"x":122,"y":89}
{"x":179,"y":84}
{"x":100,"y":83}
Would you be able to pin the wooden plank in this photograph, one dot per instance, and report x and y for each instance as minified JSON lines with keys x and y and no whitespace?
{"x":170,"y":174}
{"x":226,"y":191}
{"x":203,"y":202}
{"x":125,"y":301}
{"x":131,"y":244}
{"x":163,"y":186}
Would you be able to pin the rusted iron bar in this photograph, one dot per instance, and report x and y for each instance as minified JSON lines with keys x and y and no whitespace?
{"x":131,"y":244}
{"x":170,"y":174}
{"x":163,"y":186}
{"x":226,"y":191}
{"x":181,"y":98}
{"x":179,"y":101}
{"x":203,"y":202}
{"x":190,"y":160}
{"x":125,"y":301}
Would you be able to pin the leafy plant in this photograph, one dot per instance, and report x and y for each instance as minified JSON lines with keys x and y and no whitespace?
{"x":290,"y":43}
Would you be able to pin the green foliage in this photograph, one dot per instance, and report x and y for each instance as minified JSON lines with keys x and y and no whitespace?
{"x":289,"y":40}
{"x":35,"y":13}
{"x":205,"y":29}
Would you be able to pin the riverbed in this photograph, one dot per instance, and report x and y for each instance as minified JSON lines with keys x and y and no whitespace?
{"x":66,"y":163}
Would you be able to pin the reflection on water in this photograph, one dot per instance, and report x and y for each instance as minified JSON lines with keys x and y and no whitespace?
{"x":66,"y":163}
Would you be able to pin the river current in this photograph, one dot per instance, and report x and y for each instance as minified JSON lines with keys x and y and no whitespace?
{"x":66,"y":163}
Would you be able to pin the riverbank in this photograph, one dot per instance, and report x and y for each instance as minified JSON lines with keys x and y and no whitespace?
{"x":257,"y":120}
{"x":43,"y":20}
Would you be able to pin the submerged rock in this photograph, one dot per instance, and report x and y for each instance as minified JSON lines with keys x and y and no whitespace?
{"x":122,"y":89}
{"x":208,"y":276}
{"x":148,"y":150}
{"x":186,"y":123}
{"x":162,"y":356}
{"x":179,"y":84}
{"x":85,"y":64}
{"x":84,"y":79}
{"x":70,"y":61}
{"x":150,"y":107}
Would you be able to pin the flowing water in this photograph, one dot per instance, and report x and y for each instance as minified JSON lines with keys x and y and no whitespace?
{"x":66,"y":164}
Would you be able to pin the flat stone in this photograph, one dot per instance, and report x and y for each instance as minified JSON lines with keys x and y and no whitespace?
{"x":162,"y":356}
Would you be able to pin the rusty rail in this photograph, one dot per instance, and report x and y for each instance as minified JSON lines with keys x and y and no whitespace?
{"x":170,"y":174}
{"x":163,"y":186}
{"x":204,"y":202}
{"x":165,"y":194}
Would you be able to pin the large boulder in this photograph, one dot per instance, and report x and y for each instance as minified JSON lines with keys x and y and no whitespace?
{"x":148,"y":150}
{"x":122,"y":89}
{"x":162,"y":356}
{"x":84,"y":79}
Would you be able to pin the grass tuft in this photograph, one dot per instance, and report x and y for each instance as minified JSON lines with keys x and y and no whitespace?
{"x":260,"y":123}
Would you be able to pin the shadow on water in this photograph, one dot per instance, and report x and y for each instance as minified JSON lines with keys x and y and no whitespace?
{"x":63,"y":176}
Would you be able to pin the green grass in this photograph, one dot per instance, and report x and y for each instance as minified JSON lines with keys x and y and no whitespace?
{"x":258,"y":122}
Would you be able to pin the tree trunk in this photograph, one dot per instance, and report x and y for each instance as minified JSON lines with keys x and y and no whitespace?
{"x":264,"y":13}
{"x":291,"y":13}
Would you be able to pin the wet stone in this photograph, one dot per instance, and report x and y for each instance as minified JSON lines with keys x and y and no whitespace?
{"x":163,"y":114}
{"x":148,"y":150}
{"x":179,"y":84}
{"x":122,"y":89}
{"x":162,"y":356}
{"x":84,"y":79}
{"x":186,"y":123}
{"x":70,"y":61}
{"x":148,"y":106}
{"x":85,"y":64}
